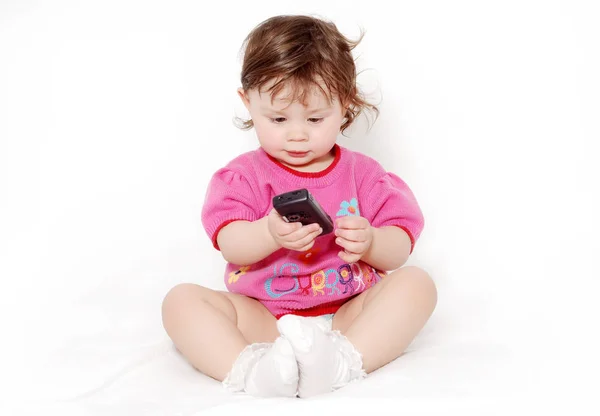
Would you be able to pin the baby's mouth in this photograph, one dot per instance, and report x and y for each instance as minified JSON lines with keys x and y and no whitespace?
{"x":297,"y":154}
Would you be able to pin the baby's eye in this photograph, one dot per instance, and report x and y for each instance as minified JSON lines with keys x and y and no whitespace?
{"x":278,"y":120}
{"x":315,"y":120}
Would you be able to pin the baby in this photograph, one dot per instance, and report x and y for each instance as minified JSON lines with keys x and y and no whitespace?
{"x":304,"y":313}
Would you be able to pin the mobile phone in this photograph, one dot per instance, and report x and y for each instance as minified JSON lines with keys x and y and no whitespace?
{"x":300,"y":206}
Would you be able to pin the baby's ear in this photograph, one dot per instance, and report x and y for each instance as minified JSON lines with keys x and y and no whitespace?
{"x":244,"y":98}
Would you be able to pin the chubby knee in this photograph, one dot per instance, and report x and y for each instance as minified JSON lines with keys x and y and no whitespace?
{"x":420,"y":283}
{"x":178,"y":298}
{"x":425,"y":283}
{"x":177,"y":295}
{"x":190,"y":299}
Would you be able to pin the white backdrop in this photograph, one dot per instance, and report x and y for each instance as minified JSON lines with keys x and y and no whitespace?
{"x":114,"y":114}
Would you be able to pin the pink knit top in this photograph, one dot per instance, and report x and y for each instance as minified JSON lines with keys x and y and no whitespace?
{"x":317,"y":281}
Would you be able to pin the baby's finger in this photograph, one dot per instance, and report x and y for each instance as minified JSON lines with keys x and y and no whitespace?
{"x":351,"y":222}
{"x":303,"y":232}
{"x":286,"y":229}
{"x":282,"y":227}
{"x":349,"y":258}
{"x":352,"y":235}
{"x":307,"y":239}
{"x":351,"y":247}
{"x":307,"y":247}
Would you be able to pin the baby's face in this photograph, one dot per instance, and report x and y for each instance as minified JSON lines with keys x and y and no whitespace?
{"x":299,"y":136}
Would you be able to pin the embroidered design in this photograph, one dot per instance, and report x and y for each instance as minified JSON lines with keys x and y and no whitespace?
{"x":277,"y":293}
{"x":317,"y":281}
{"x":305,"y":290}
{"x":332,"y":286}
{"x":353,"y":278}
{"x":370,"y":278}
{"x":348,"y":208}
{"x":346,"y":278}
{"x":358,"y":275}
{"x":234,"y":276}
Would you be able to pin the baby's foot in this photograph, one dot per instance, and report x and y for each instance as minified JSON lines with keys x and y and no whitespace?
{"x":326,"y":361}
{"x":265,"y":370}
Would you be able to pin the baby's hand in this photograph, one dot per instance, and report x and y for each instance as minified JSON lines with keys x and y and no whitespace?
{"x":292,"y":235}
{"x":355,"y":235}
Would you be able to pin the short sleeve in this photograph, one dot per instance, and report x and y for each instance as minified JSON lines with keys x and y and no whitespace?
{"x":229,"y":197}
{"x":391,"y":202}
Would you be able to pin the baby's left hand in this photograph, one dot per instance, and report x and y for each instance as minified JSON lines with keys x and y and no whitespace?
{"x":355,"y":235}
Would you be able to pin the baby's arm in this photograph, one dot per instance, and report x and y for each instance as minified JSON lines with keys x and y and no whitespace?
{"x":246,"y":242}
{"x":385,"y":248}
{"x":395,"y":217}
{"x":389,"y":248}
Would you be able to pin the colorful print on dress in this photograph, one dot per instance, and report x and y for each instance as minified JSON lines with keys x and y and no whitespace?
{"x":347,"y":279}
{"x":319,"y":281}
{"x":234,"y":276}
{"x":282,"y":282}
{"x":348,"y":208}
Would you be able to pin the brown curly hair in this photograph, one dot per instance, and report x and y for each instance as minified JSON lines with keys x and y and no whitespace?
{"x":303,"y":52}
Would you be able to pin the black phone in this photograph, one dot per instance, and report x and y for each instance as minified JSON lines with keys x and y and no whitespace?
{"x":300,"y":206}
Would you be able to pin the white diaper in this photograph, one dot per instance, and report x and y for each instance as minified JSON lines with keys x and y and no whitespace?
{"x":325,"y":322}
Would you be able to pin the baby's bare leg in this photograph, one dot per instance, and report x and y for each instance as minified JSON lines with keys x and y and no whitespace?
{"x":382,"y":321}
{"x":212,"y":328}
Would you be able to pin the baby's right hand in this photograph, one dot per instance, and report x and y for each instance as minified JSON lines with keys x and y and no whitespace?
{"x":292,"y":235}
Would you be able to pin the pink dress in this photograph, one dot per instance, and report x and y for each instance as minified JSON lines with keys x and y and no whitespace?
{"x":318,"y":281}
